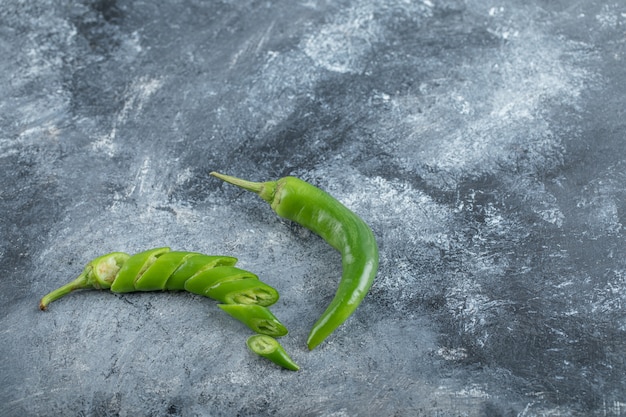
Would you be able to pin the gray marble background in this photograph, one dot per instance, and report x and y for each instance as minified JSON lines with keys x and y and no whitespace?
{"x":483,"y":141}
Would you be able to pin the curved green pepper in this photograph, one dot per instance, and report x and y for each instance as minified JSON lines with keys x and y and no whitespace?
{"x":307,"y":205}
{"x":268,"y":347}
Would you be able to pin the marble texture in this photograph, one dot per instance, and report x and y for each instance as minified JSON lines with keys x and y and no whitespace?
{"x":483,"y":141}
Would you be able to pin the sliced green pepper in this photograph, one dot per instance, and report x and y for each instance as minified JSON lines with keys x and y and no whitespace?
{"x":155,"y":269}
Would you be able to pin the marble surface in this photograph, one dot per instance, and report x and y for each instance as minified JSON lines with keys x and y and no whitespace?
{"x":483,"y":141}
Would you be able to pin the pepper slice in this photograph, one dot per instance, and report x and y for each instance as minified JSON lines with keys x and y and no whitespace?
{"x":268,"y":347}
{"x":159,"y":272}
{"x":134,"y":267}
{"x":258,"y":318}
{"x":194,"y":264}
{"x":243,"y":292}
{"x":203,"y":281}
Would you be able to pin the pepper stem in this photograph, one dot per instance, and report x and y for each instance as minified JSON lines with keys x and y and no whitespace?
{"x":82,"y":281}
{"x":265,"y":190}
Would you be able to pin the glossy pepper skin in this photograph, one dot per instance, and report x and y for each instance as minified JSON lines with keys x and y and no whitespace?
{"x":244,"y":296}
{"x":161,"y":269}
{"x":258,"y":318}
{"x":307,"y":205}
{"x":268,"y":347}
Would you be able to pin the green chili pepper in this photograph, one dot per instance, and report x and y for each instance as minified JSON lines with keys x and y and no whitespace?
{"x":269,"y":348}
{"x":160,"y":269}
{"x":256,"y":317}
{"x":246,"y":297}
{"x":319,"y":212}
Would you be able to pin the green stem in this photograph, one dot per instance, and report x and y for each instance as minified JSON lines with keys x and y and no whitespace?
{"x":81,"y":282}
{"x":265,"y":190}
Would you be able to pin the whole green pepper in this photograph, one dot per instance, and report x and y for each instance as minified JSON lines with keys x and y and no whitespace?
{"x":162,"y":269}
{"x":268,"y":347}
{"x":307,"y":205}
